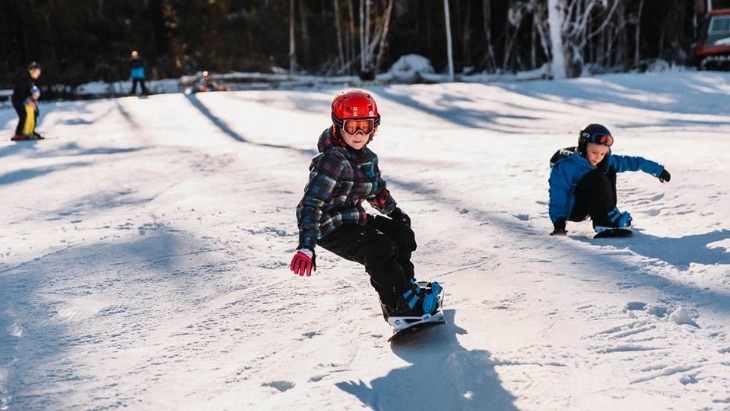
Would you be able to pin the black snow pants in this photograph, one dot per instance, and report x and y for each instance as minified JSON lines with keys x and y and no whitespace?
{"x":384,"y":247}
{"x":141,"y":83}
{"x":595,"y":196}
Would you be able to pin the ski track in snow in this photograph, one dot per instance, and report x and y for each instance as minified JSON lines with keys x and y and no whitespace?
{"x":145,"y":247}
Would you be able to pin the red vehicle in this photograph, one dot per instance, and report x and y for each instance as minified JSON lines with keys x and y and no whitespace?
{"x":712,"y":50}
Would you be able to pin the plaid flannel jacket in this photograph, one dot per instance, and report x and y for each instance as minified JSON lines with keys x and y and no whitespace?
{"x":340,"y":179}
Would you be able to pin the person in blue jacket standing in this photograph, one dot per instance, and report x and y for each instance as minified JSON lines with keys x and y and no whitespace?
{"x":136,"y":65}
{"x":583,"y":181}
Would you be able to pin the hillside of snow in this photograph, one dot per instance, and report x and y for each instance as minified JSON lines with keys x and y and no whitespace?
{"x":144,"y":252}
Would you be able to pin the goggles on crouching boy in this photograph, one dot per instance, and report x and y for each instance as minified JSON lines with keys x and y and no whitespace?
{"x":601,"y":138}
{"x":354,"y":126}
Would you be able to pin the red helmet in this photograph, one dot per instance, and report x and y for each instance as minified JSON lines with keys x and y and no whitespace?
{"x":354,"y":104}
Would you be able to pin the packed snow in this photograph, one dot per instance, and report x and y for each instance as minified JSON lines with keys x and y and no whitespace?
{"x":145,"y":245}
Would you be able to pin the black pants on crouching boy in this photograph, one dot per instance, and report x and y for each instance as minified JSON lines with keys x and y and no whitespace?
{"x":595,"y":196}
{"x":383,"y":246}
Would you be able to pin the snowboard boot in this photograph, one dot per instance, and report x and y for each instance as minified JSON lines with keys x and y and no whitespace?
{"x":417,"y":301}
{"x":613,"y":219}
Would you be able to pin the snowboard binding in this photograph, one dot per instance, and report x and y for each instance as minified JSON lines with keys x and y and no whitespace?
{"x":408,"y":323}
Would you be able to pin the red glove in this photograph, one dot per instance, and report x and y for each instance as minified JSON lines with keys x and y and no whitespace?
{"x":304,"y":262}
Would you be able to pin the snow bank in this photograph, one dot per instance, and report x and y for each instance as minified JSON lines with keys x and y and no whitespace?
{"x":411,"y":69}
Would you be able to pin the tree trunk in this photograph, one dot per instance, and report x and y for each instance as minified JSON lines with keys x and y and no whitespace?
{"x":352,"y":54}
{"x":292,"y":37}
{"x":533,"y":42}
{"x":555,"y":20}
{"x":384,"y":36}
{"x":490,"y":61}
{"x":363,"y":40}
{"x":449,"y":47}
{"x":338,"y":27}
{"x":157,"y":20}
{"x":306,"y":43}
{"x":368,"y":51}
{"x":637,"y":38}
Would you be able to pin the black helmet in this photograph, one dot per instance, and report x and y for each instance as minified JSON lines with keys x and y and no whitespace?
{"x":593,"y":133}
{"x":33,"y":65}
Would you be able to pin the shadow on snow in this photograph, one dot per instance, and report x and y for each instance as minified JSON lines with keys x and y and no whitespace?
{"x":30,"y":173}
{"x":679,"y":252}
{"x":46,"y":316}
{"x":223,"y":126}
{"x":442,"y":375}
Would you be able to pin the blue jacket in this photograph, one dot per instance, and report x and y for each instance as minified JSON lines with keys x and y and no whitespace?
{"x":568,"y":171}
{"x":136,"y":66}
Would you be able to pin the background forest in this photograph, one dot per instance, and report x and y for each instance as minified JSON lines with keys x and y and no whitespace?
{"x":83,"y":40}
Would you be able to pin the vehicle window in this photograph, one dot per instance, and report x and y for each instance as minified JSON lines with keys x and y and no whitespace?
{"x":719,"y":30}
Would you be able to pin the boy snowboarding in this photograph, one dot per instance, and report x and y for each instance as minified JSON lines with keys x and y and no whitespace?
{"x":330,"y":214}
{"x":25,"y":102}
{"x":583,"y":183}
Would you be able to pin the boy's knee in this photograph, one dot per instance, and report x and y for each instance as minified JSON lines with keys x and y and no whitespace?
{"x":382,"y":250}
{"x":405,"y":238}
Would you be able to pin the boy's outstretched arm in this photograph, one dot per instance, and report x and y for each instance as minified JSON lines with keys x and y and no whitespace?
{"x":630,"y":163}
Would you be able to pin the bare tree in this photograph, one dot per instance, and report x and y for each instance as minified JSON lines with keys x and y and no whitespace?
{"x":541,"y":26}
{"x":292,"y":38}
{"x":570,"y":23}
{"x":449,"y":47}
{"x":304,"y":30}
{"x":384,"y":35}
{"x":637,"y":38}
{"x":352,"y":31}
{"x":363,"y":33}
{"x":555,"y":20}
{"x":490,"y":60}
{"x":515,"y":15}
{"x":338,"y":27}
{"x":373,"y":39}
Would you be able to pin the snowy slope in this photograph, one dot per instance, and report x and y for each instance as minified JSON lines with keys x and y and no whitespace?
{"x":144,"y":254}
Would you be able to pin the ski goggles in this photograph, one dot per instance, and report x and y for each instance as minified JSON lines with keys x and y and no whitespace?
{"x":602,"y":139}
{"x":354,"y":126}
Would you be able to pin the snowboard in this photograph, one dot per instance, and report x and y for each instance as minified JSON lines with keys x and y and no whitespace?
{"x":615,"y":233}
{"x":434,"y":321}
{"x":405,"y":326}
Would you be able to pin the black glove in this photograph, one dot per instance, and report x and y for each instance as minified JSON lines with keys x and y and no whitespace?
{"x":559,"y":227}
{"x":399,"y":216}
{"x":665,"y":176}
